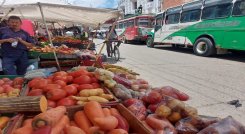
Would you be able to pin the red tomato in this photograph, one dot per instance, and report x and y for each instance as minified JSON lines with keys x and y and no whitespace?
{"x":1,"y":82}
{"x":85,"y":86}
{"x":60,"y":82}
{"x":95,"y":85}
{"x":70,"y":89}
{"x":35,"y":92}
{"x":61,"y":73}
{"x":41,"y":83}
{"x":50,"y":77}
{"x":94,"y":80}
{"x":51,"y":87}
{"x":2,"y":90}
{"x":69,"y":79}
{"x":66,"y":102}
{"x":83,"y":79}
{"x":56,"y":94}
{"x":8,"y":89}
{"x":51,"y":104}
{"x":32,"y":83}
{"x":90,"y":74}
{"x":5,"y":79}
{"x":75,"y":85}
{"x":63,"y":78}
{"x":18,"y":81}
{"x":78,"y":73}
{"x":50,"y":81}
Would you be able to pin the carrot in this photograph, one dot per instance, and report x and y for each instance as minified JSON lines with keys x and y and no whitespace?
{"x":73,"y":130}
{"x":95,"y":130}
{"x":107,"y":123}
{"x":58,"y":128}
{"x":114,"y":111}
{"x":48,"y":118}
{"x":106,"y":111}
{"x":3,"y":121}
{"x":118,"y":131}
{"x":82,"y":121}
{"x":73,"y":123}
{"x":26,"y":128}
{"x":93,"y":110}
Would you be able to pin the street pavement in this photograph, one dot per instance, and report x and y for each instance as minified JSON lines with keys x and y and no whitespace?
{"x":210,"y":82}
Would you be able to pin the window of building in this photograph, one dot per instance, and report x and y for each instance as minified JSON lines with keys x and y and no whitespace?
{"x":239,"y":8}
{"x":217,"y":11}
{"x":172,"y":18}
{"x":135,"y":5}
{"x":190,"y":16}
{"x":150,"y":0}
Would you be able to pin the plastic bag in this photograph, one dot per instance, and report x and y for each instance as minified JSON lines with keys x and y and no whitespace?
{"x":136,"y":107}
{"x":192,"y":125}
{"x":225,"y":126}
{"x":172,"y":92}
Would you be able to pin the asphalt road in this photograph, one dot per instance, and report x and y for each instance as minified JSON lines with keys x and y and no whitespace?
{"x":211,"y":82}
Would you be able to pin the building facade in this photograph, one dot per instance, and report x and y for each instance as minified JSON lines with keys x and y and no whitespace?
{"x":171,"y":3}
{"x":148,"y":6}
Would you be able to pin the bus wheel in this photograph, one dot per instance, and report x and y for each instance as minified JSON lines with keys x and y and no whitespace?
{"x":150,"y":42}
{"x":204,"y":47}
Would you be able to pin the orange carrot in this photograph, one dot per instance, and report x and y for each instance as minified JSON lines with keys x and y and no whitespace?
{"x":106,"y":111}
{"x":73,"y":130}
{"x":93,"y":110}
{"x":49,"y":118}
{"x":107,"y":123}
{"x":58,"y":128}
{"x":82,"y":121}
{"x":114,"y":111}
{"x":95,"y":130}
{"x":118,"y":131}
{"x":26,"y":128}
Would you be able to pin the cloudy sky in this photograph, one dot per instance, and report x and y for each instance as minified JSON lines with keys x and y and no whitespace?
{"x":96,"y":3}
{"x":87,"y":3}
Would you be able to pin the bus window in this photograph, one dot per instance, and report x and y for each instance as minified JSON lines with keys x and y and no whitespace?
{"x":120,"y":25}
{"x":172,"y":18}
{"x":130,"y":23}
{"x":159,"y":21}
{"x":239,"y":8}
{"x":217,"y":11}
{"x":190,"y":16}
{"x":143,"y":22}
{"x":125,"y":25}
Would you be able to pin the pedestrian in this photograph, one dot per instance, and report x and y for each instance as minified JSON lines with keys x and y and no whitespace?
{"x":112,"y":36}
{"x":14,"y":42}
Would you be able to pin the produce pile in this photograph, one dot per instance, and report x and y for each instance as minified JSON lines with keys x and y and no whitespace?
{"x":62,"y":39}
{"x":93,"y":119}
{"x":10,"y":88}
{"x":97,"y":92}
{"x":63,"y":49}
{"x":3,"y":122}
{"x":69,"y":88}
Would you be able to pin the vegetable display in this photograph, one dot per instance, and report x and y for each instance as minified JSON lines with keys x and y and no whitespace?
{"x":10,"y":88}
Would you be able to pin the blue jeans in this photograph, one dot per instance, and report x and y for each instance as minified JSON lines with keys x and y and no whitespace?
{"x":15,"y":64}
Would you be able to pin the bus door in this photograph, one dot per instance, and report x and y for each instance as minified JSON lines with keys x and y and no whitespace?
{"x":234,"y":34}
{"x":130,"y":31}
{"x":191,"y":14}
{"x":158,"y":27}
{"x":172,"y":26}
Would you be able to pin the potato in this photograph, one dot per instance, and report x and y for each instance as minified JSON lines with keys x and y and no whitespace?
{"x":163,"y":111}
{"x":98,"y":99}
{"x":174,"y":117}
{"x":176,"y":104}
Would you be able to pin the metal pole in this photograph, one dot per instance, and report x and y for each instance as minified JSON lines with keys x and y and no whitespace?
{"x":49,"y":37}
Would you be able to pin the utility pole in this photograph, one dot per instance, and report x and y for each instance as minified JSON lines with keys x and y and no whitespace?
{"x":2,"y":3}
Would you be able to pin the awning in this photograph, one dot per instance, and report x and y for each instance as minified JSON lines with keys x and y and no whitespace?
{"x":60,"y":13}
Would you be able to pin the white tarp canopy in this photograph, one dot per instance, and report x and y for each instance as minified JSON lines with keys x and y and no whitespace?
{"x":60,"y":13}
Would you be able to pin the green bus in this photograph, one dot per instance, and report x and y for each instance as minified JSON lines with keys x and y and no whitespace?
{"x":209,"y":26}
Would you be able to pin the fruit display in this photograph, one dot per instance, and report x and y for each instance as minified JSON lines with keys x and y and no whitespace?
{"x":48,"y":49}
{"x":10,"y":88}
{"x":62,"y":39}
{"x":92,"y":119}
{"x":69,"y":88}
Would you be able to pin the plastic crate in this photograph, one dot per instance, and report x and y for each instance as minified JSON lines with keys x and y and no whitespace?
{"x":91,"y":62}
{"x":10,"y":76}
{"x":33,"y":54}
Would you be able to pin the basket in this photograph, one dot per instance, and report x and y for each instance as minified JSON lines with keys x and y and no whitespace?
{"x":91,"y":62}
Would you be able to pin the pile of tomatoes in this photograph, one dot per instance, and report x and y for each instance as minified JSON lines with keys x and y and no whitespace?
{"x":7,"y":86}
{"x":61,"y":85}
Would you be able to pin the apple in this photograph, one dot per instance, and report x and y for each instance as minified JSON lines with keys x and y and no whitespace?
{"x":2,"y":90}
{"x":8,"y":89}
{"x":1,"y":82}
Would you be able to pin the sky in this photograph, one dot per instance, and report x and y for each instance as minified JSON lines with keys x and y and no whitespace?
{"x":86,"y":3}
{"x":96,"y":3}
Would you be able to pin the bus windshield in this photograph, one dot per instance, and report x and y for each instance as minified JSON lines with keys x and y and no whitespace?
{"x":144,"y":22}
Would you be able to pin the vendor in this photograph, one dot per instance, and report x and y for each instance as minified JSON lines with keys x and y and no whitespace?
{"x":14,"y":50}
